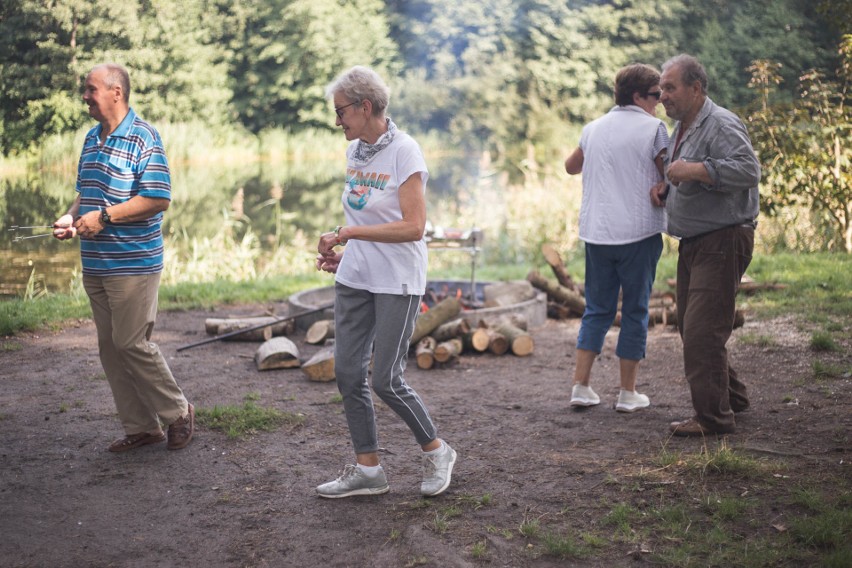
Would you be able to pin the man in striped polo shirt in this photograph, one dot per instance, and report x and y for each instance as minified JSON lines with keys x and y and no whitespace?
{"x":123,"y":187}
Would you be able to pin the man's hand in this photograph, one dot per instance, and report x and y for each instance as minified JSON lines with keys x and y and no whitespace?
{"x":63,"y":228}
{"x":659,"y":193}
{"x":329,"y":263}
{"x":89,"y":224}
{"x":680,"y":171}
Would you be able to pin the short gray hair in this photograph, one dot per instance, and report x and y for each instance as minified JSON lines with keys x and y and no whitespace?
{"x":116,"y":75}
{"x":361,"y":84}
{"x":691,"y":70}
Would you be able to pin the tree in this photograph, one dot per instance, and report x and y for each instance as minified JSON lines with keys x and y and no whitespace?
{"x":804,"y":147}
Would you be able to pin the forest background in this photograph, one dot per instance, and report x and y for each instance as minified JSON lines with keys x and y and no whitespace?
{"x":504,"y":85}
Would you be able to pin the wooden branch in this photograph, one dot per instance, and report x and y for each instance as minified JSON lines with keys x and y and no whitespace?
{"x":448,"y":350}
{"x":456,"y":328}
{"x":557,"y":292}
{"x":551,"y":255}
{"x":520,"y":342}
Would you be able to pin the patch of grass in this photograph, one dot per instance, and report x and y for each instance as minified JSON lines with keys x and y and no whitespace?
{"x":561,"y":546}
{"x":451,"y":512}
{"x":829,"y":529}
{"x":827,"y":370}
{"x":530,"y":528}
{"x":10,"y":346}
{"x":336,"y":399}
{"x":823,"y":341}
{"x":440,"y":524}
{"x":758,"y":340}
{"x":620,"y":517}
{"x":239,"y":421}
{"x":724,"y":461}
{"x":479,"y":549}
{"x":417,"y":561}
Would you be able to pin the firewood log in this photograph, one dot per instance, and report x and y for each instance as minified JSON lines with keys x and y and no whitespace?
{"x":427,"y":322}
{"x":507,"y":293}
{"x":277,"y":353}
{"x":560,"y":293}
{"x":497,"y":342}
{"x":551,"y":255}
{"x":455,"y":328}
{"x":520,"y":342}
{"x":425,"y":352}
{"x":448,"y":349}
{"x":220,"y":326}
{"x":320,"y":367}
{"x":319,"y":332}
{"x":476,"y":340}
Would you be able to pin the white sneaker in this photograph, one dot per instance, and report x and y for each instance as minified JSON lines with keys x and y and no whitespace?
{"x":437,"y":471}
{"x":631,"y":401}
{"x":353,"y":481}
{"x":583,"y":396}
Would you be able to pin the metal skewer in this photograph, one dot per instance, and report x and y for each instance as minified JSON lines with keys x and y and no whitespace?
{"x":20,"y":238}
{"x":18,"y":227}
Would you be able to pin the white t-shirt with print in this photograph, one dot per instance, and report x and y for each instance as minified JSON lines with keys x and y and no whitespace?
{"x":371,"y":197}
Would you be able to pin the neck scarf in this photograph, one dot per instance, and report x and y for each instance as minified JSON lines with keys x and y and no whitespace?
{"x":365,"y":152}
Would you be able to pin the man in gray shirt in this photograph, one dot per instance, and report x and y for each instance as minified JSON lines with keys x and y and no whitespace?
{"x":711,"y":197}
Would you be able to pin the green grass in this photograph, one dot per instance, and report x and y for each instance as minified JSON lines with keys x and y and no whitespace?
{"x":239,"y":421}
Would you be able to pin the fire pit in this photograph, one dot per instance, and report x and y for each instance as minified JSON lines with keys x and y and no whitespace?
{"x":534,"y":310}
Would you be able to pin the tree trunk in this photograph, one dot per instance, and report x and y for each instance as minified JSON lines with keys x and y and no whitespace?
{"x":277,"y":353}
{"x":557,"y":292}
{"x":427,"y":322}
{"x":319,"y":332}
{"x":425,"y":352}
{"x":320,"y":367}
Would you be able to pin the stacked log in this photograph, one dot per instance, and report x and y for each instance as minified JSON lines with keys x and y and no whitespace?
{"x":221,"y":326}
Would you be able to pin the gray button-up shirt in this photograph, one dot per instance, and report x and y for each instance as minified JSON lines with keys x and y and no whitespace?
{"x":719,"y":139}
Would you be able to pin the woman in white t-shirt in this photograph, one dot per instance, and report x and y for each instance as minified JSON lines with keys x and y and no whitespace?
{"x":380,"y":279}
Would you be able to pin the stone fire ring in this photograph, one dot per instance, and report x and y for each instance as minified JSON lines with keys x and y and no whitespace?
{"x":534,"y":310}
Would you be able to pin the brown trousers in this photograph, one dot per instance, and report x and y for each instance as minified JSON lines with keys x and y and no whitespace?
{"x":709,"y":271}
{"x":145,"y":392}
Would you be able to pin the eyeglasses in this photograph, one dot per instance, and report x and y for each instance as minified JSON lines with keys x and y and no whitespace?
{"x":339,"y":110}
{"x":655,"y":94}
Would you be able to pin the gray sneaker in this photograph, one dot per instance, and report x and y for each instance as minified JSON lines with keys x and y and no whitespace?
{"x":437,"y":471}
{"x":353,"y":481}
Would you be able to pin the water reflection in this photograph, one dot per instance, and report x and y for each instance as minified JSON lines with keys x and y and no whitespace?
{"x":274,"y":200}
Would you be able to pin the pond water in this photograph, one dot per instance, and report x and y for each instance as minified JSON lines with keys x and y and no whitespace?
{"x":273,"y":199}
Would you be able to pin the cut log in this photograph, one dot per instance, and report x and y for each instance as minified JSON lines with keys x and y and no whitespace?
{"x":520,"y":342}
{"x":425,"y":352}
{"x":476,"y":340}
{"x":552,"y":257}
{"x":456,"y":328}
{"x":448,"y":349}
{"x":497,"y":342}
{"x":277,"y":353}
{"x":507,"y":293}
{"x":221,"y":326}
{"x":319,"y":332}
{"x":557,"y":292}
{"x":427,"y":322}
{"x":555,"y":310}
{"x":320,"y":367}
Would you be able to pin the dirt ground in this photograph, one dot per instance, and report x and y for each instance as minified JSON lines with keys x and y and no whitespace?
{"x":523,"y":454}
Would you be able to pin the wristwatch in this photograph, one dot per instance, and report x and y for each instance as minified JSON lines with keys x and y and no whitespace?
{"x":105,"y":217}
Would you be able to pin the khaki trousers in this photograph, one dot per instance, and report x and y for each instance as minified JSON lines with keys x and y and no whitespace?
{"x":145,"y":392}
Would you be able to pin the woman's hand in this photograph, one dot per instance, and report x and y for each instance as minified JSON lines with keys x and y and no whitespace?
{"x":329,"y":263}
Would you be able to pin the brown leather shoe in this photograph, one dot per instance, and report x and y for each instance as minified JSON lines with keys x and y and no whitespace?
{"x":181,"y":430}
{"x":134,"y":441}
{"x":689,"y":427}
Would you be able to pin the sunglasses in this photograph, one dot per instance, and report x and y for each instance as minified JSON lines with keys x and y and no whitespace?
{"x":655,"y":94}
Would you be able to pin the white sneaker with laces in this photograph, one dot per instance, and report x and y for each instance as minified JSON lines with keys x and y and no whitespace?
{"x":631,"y":401}
{"x":582,"y":395}
{"x":437,"y":471}
{"x":353,"y":481}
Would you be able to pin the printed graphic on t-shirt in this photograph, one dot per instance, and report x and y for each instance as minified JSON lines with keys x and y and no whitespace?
{"x":361,"y":185}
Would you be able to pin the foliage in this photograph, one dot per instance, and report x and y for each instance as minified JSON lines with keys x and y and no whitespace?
{"x":804,"y":147}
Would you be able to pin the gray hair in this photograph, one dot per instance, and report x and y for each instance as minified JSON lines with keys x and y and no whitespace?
{"x":116,"y":75}
{"x":361,"y":84}
{"x":691,"y":70}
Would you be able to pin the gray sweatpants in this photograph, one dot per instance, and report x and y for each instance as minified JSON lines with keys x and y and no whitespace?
{"x":380,"y":325}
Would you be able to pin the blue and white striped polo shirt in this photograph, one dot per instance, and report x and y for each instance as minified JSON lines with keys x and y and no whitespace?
{"x":130,"y":162}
